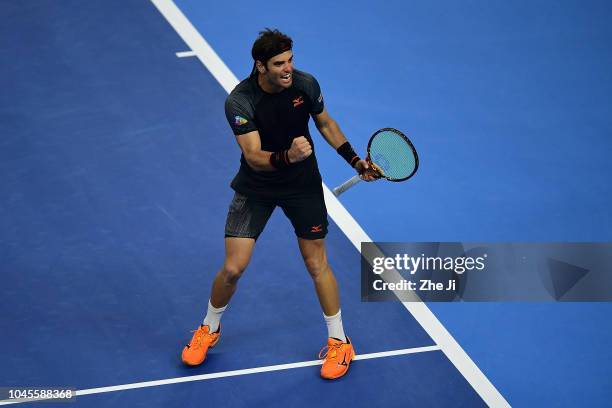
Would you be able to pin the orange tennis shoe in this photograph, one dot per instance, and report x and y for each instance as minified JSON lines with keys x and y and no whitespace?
{"x":195,"y":352}
{"x":338,"y":356}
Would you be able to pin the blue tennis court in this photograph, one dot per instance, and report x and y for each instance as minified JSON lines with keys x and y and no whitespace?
{"x":115,"y":164}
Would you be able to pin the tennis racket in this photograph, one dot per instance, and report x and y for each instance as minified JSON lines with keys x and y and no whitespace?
{"x":390,"y":155}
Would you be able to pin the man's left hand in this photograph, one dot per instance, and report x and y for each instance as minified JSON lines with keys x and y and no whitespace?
{"x":365,"y":171}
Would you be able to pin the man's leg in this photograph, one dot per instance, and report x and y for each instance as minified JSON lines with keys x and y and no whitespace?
{"x":315,"y":259}
{"x":308,"y":215}
{"x":238,"y":252}
{"x":237,"y":255}
{"x":340,"y":350}
{"x":246,"y":219}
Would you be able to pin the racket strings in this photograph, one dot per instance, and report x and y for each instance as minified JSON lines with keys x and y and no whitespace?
{"x":393,"y":155}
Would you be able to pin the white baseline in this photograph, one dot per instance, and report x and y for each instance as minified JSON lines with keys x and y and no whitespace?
{"x":234,"y":373}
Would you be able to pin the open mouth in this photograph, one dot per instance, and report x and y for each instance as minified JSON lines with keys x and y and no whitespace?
{"x":286,"y":78}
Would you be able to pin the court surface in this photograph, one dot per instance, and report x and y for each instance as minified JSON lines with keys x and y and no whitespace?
{"x":115,"y":167}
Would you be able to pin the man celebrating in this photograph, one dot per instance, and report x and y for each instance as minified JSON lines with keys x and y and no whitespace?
{"x":269,"y":113}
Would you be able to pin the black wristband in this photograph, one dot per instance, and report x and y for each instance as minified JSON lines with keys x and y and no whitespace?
{"x":347,"y":152}
{"x":280,"y":160}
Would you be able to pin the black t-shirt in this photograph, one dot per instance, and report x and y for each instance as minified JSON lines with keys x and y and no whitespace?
{"x":279,"y":118}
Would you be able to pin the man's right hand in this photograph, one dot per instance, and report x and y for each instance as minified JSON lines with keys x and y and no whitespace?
{"x":300,"y":149}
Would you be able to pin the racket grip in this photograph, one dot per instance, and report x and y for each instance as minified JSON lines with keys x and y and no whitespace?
{"x":346,"y":185}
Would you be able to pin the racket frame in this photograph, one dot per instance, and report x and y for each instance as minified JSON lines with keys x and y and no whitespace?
{"x":355,"y":179}
{"x":408,"y":142}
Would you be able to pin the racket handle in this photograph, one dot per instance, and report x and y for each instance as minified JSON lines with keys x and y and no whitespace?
{"x":346,"y":185}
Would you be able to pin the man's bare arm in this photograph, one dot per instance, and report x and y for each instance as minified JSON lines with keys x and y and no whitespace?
{"x":250,"y":144}
{"x":329,"y":129}
{"x":333,"y":135}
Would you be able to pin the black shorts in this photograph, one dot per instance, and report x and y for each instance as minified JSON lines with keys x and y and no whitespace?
{"x":247,"y":216}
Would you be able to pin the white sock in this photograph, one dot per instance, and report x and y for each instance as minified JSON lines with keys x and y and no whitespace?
{"x":213,"y":317}
{"x":334,"y":326}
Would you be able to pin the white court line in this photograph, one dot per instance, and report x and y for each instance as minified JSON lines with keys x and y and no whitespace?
{"x":340,"y":215}
{"x":183,"y":54}
{"x":235,"y":373}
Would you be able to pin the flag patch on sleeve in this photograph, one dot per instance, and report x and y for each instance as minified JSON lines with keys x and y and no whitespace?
{"x":239,"y":120}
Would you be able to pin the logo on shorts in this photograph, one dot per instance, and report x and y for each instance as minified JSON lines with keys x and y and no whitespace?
{"x":320,"y":98}
{"x":316,"y":228}
{"x":298,"y":101}
{"x":239,"y":120}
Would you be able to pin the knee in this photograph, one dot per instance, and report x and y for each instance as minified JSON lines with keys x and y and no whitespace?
{"x":316,"y":266}
{"x":231,"y":272}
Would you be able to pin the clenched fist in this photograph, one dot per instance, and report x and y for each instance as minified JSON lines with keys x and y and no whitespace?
{"x":300,"y":149}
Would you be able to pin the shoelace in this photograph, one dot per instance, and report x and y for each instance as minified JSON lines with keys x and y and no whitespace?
{"x":326,"y":350}
{"x":199,"y":334}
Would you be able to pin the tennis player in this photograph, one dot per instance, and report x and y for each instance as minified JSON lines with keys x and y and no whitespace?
{"x":269,"y":114}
